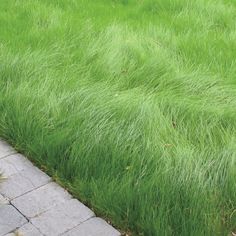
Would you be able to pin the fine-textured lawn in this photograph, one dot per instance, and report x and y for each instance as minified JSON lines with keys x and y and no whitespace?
{"x":131,"y":104}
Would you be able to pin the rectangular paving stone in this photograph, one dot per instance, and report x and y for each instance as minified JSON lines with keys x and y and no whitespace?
{"x":23,"y":182}
{"x":10,"y":219}
{"x":14,"y":164}
{"x":93,"y":227}
{"x":62,"y":218}
{"x":28,"y":230}
{"x":41,"y":199}
{"x":5,"y":149}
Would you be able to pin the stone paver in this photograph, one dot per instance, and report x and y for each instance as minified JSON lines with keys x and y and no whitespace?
{"x":10,"y":219}
{"x":13,"y":164}
{"x":5,"y":149}
{"x":62,"y":218}
{"x":32,"y":205}
{"x":93,"y":227}
{"x":23,"y":182}
{"x":40,"y":200}
{"x":28,"y":230}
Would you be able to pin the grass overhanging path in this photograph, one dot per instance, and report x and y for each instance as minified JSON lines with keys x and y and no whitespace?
{"x":130,"y":104}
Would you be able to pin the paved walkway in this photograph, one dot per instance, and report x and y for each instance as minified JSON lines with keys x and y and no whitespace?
{"x":31,"y":204}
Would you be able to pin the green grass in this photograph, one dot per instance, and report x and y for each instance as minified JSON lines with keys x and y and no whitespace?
{"x":130,"y":104}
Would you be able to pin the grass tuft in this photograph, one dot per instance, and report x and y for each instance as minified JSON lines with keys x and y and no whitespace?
{"x":130,"y":104}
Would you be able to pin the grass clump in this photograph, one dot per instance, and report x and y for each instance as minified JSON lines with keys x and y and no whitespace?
{"x":130,"y":104}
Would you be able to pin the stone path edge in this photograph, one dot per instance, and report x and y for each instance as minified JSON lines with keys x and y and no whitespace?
{"x":32,"y":204}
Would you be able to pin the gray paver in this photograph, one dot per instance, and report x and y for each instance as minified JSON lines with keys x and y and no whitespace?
{"x":23,"y":182}
{"x":5,"y":149}
{"x":10,"y":219}
{"x":41,"y":199}
{"x":93,"y":227}
{"x":62,"y":218}
{"x":28,"y":230}
{"x":14,"y":164}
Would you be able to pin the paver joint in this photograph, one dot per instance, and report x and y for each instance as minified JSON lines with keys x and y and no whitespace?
{"x":31,"y":204}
